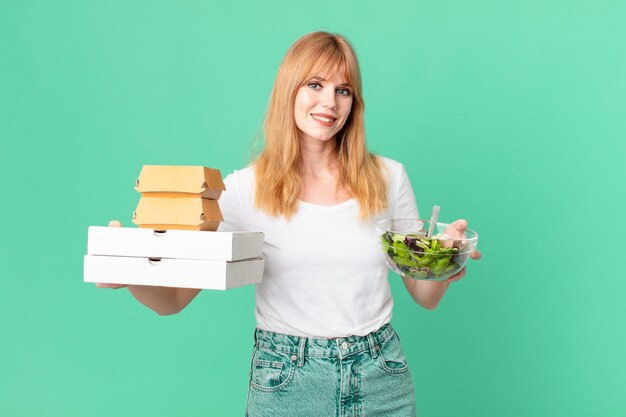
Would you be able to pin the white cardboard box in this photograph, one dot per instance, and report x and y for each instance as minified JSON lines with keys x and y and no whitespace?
{"x":182,"y":273}
{"x":179,"y":244}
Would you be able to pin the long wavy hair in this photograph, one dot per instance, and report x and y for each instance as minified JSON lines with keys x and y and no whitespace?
{"x":278,"y":167}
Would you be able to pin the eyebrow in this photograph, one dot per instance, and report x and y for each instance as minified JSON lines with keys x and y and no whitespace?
{"x":323,"y":79}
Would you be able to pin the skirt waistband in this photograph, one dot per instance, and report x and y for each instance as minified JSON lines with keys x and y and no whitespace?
{"x":340,"y":347}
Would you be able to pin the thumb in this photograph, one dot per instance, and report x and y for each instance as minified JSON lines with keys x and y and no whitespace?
{"x":459,"y":225}
{"x":115,"y":223}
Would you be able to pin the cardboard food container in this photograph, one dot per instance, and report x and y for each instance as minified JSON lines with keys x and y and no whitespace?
{"x":165,"y":272}
{"x":180,"y":181}
{"x":182,"y":244}
{"x":163,"y":213}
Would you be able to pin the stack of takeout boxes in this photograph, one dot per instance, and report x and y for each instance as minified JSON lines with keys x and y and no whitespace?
{"x":179,"y":197}
{"x":176,"y":244}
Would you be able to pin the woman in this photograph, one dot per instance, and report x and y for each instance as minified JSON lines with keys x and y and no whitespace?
{"x":323,"y":343}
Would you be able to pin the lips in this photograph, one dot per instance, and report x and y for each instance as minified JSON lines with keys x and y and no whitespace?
{"x":324,"y":119}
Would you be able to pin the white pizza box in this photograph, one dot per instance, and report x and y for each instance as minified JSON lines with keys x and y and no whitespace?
{"x":181,"y":273}
{"x":179,"y":244}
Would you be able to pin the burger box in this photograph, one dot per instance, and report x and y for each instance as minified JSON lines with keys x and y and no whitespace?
{"x":173,"y":258}
{"x":184,"y":213}
{"x":181,"y":244}
{"x":180,"y":181}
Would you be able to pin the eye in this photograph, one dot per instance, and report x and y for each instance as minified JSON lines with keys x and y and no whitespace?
{"x":314,"y":85}
{"x":344,"y":91}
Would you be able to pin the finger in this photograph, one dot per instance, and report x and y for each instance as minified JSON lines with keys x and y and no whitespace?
{"x":115,"y":223}
{"x":476,"y":255}
{"x":460,"y":225}
{"x":457,"y":228}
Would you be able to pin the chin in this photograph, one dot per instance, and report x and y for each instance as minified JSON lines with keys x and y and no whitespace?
{"x":325,"y":139}
{"x":319,"y":138}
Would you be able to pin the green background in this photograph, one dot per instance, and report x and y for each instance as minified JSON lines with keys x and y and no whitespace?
{"x":509,"y":114}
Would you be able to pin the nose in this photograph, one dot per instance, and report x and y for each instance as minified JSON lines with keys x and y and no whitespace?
{"x":328,"y":99}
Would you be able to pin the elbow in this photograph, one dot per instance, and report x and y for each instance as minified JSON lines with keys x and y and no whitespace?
{"x":164,"y":313}
{"x":429,"y":301}
{"x":428,"y":305}
{"x":168,"y":312}
{"x":426,"y":294}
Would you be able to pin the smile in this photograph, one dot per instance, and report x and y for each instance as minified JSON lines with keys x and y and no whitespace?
{"x":328,"y":121}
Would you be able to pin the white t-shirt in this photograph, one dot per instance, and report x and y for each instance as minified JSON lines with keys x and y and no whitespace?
{"x":325,"y":274}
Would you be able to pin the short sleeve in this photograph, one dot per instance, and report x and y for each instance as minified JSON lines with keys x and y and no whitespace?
{"x":230,"y":205}
{"x":406,"y":207}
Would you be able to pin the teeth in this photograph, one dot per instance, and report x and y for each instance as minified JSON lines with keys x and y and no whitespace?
{"x":323,"y":119}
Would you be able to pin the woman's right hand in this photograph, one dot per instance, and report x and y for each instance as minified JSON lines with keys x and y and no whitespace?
{"x":112,"y":223}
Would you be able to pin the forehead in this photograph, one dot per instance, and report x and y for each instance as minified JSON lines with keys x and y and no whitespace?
{"x":331,"y":67}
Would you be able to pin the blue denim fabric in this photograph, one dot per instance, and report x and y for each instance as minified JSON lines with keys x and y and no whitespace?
{"x":365,"y":376}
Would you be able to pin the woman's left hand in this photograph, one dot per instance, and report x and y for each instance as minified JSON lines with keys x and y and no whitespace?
{"x":457,"y":229}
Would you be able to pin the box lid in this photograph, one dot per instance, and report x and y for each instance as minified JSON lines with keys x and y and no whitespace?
{"x":193,"y":213}
{"x":163,"y":179}
{"x":177,"y":244}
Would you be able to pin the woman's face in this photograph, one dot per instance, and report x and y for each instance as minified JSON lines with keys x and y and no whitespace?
{"x":322,"y":107}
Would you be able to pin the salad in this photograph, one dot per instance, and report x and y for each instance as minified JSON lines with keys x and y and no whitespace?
{"x":420,"y":257}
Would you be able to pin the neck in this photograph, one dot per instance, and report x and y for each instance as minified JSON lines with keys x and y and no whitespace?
{"x":318,"y":157}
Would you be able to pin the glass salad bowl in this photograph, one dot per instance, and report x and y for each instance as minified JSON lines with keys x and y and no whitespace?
{"x":412,"y":254}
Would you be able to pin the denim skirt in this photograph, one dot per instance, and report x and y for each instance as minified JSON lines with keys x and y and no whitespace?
{"x":365,"y":376}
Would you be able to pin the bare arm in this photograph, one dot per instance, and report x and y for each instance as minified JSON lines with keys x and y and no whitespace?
{"x":162,"y":300}
{"x":428,"y":294}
